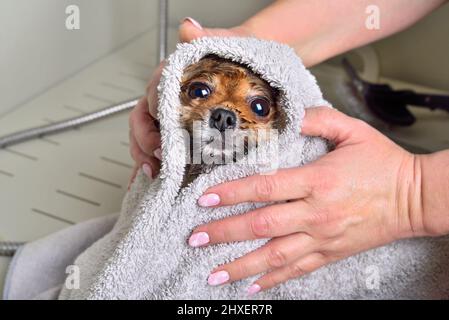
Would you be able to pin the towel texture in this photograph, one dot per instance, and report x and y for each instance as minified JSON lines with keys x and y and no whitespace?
{"x":145,"y":255}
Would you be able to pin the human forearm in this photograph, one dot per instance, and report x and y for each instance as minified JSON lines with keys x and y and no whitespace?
{"x":320,"y":29}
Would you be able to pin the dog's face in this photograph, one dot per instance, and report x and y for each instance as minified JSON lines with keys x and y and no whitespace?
{"x":223,"y":96}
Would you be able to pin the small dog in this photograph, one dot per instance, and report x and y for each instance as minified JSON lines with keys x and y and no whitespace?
{"x":221,"y":102}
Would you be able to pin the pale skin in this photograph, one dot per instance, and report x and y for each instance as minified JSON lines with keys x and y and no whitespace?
{"x":366,"y":193}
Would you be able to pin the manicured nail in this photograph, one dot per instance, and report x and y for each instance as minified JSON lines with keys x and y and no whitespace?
{"x":147,"y":169}
{"x":217,"y":278}
{"x":193,"y":21}
{"x":255,"y":288}
{"x":198,"y":239}
{"x":158,"y":154}
{"x":209,"y":200}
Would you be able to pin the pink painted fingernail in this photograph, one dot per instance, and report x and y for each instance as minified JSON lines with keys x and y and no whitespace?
{"x":217,"y":278}
{"x":209,"y":200}
{"x":193,"y":21}
{"x":147,"y":169}
{"x":255,"y":288}
{"x":158,"y":154}
{"x":198,"y":239}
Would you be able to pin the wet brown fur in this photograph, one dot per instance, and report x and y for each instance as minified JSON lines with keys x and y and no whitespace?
{"x":232,"y":86}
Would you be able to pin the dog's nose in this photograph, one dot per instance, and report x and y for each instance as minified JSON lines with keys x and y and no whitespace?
{"x":222,"y":119}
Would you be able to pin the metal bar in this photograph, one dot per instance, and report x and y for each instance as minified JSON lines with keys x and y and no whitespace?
{"x":64,"y":125}
{"x":163,"y":29}
{"x":8,"y":248}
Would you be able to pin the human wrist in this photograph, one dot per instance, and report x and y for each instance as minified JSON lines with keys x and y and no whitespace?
{"x":435,"y":193}
{"x":423,"y":196}
{"x":408,"y":213}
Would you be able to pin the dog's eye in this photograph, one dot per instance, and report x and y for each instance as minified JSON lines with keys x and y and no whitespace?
{"x":260,"y":106}
{"x":199,"y":90}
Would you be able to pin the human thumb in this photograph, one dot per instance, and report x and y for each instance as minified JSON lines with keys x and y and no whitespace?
{"x":190,"y":29}
{"x":332,"y":125}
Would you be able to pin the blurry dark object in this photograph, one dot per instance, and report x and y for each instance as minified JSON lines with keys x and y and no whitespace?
{"x":391,"y":105}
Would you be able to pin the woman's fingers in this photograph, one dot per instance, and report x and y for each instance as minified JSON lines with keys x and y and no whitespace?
{"x":133,"y":176}
{"x":152,"y":92}
{"x":144,"y":139}
{"x":148,"y":141}
{"x":286,"y":184}
{"x":142,"y":158}
{"x":144,"y":129}
{"x":144,"y":132}
{"x":332,"y":125}
{"x":268,"y":222}
{"x":277,"y":253}
{"x":296,"y":269}
{"x":191,"y":29}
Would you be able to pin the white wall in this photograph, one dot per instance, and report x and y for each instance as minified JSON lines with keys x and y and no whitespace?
{"x":37,"y":51}
{"x":421,"y":53}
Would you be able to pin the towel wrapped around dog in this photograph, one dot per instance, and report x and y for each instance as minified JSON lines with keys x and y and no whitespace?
{"x":145,"y":255}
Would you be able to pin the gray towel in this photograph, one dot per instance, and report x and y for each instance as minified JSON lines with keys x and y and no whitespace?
{"x":145,"y":255}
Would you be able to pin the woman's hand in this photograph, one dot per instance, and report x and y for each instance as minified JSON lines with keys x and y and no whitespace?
{"x":362,"y":195}
{"x":144,"y":136}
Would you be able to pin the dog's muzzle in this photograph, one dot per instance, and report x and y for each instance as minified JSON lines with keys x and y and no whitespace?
{"x":222,"y":119}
